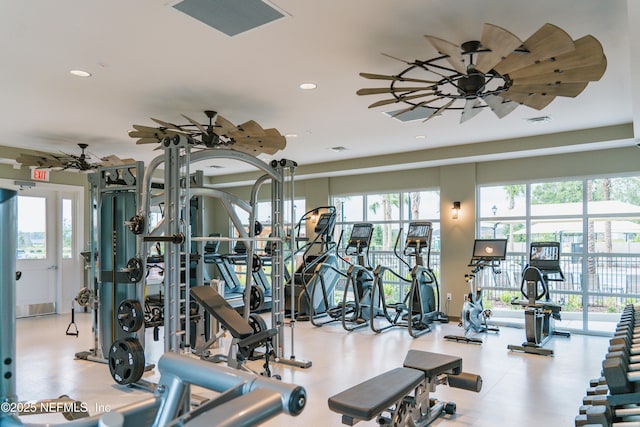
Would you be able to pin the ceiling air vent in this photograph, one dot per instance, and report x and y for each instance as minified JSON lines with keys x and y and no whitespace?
{"x":231,"y":17}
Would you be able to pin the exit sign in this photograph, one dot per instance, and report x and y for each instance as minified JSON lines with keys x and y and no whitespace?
{"x":40,"y":174}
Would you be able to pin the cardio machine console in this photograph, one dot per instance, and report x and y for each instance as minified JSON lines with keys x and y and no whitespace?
{"x":418,"y":236}
{"x":488,"y":252}
{"x":360,"y":235}
{"x":545,"y":256}
{"x":326,"y":223}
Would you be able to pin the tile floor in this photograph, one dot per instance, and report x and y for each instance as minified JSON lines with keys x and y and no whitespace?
{"x":519,"y":389}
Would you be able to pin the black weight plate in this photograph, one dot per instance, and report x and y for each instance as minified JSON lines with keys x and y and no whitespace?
{"x":256,"y":263}
{"x":134,"y":270}
{"x":130,"y":315}
{"x":257,"y":323}
{"x":126,"y":360}
{"x":256,"y":299}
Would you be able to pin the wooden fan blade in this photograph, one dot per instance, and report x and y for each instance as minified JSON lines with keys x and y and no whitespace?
{"x":375,"y":91}
{"x":196,"y":124}
{"x":548,"y":42}
{"x":395,"y":78}
{"x":470,"y":110}
{"x":500,"y":41}
{"x":534,"y":101}
{"x":499,"y":105}
{"x":588,"y":52}
{"x":166,"y":124}
{"x":563,"y":89}
{"x":140,"y":134}
{"x":399,"y":99}
{"x":145,"y":128}
{"x":267,"y":145}
{"x":224,"y":126}
{"x":247,"y":128}
{"x":439,"y":110}
{"x":148,"y":141}
{"x":573,"y":75}
{"x":114,"y":160}
{"x":413,"y":107}
{"x":453,"y":52}
{"x":397,"y":59}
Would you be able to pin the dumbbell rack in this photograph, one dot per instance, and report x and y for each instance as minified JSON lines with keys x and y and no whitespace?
{"x":614,"y":398}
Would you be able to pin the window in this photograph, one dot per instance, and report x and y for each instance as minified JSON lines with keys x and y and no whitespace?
{"x":67,"y":228}
{"x":596,"y":221}
{"x":32,"y":226}
{"x":389,"y":213}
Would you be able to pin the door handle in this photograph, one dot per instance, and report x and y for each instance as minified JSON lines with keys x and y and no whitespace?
{"x":52,"y":267}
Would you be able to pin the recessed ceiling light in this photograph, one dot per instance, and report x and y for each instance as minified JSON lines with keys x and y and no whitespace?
{"x":308,"y":86}
{"x":291,"y":135}
{"x":338,"y":149}
{"x":80,"y":73}
{"x":420,"y":137}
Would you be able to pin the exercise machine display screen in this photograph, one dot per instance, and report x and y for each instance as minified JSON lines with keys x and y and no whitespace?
{"x":325,"y":223}
{"x":361,"y":235}
{"x":489,"y":249}
{"x":545,"y":255}
{"x":419,"y":232}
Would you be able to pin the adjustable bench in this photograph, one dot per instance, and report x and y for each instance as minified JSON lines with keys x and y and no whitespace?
{"x":404,"y":392}
{"x":245,"y":338}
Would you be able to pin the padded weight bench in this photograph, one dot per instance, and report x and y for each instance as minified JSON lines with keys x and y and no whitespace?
{"x":404,"y":392}
{"x":244,"y":337}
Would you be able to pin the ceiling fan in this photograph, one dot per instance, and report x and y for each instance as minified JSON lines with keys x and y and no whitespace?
{"x":248,"y":137}
{"x":69,"y":161}
{"x":499,"y":71}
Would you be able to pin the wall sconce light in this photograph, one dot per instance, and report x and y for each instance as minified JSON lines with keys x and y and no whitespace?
{"x":455,"y":210}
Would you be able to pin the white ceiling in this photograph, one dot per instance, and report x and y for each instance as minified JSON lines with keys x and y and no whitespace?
{"x":150,"y":60}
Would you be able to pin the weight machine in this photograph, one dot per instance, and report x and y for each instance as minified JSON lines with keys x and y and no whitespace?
{"x":420,"y":307}
{"x":540,"y":312}
{"x":116,"y":271}
{"x":245,"y":399}
{"x":487,"y":253}
{"x":175,"y":235}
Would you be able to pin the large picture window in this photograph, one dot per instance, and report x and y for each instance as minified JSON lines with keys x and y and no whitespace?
{"x":389,"y":213}
{"x":596,"y":221}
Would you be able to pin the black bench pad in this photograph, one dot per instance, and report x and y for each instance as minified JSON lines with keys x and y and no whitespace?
{"x":433,"y":364}
{"x":219,"y":308}
{"x":368,"y":399}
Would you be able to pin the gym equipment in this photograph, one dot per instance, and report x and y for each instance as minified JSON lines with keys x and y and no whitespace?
{"x":245,"y":399}
{"x":319,"y":223}
{"x":403,"y":393}
{"x":612,"y":400}
{"x":246,"y":338}
{"x":539,"y":315}
{"x":261,"y":292}
{"x":487,"y":253}
{"x":421,"y":305}
{"x":115,"y":269}
{"x":357,"y":277}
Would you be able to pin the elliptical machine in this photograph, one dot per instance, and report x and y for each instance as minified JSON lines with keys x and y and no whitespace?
{"x":540,"y":314}
{"x":421,"y":305}
{"x":357,"y":278}
{"x":359,"y":311}
{"x":487,"y":253}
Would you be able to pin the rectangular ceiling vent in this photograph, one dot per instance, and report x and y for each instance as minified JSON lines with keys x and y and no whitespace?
{"x":411,"y":115}
{"x":231,"y":17}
